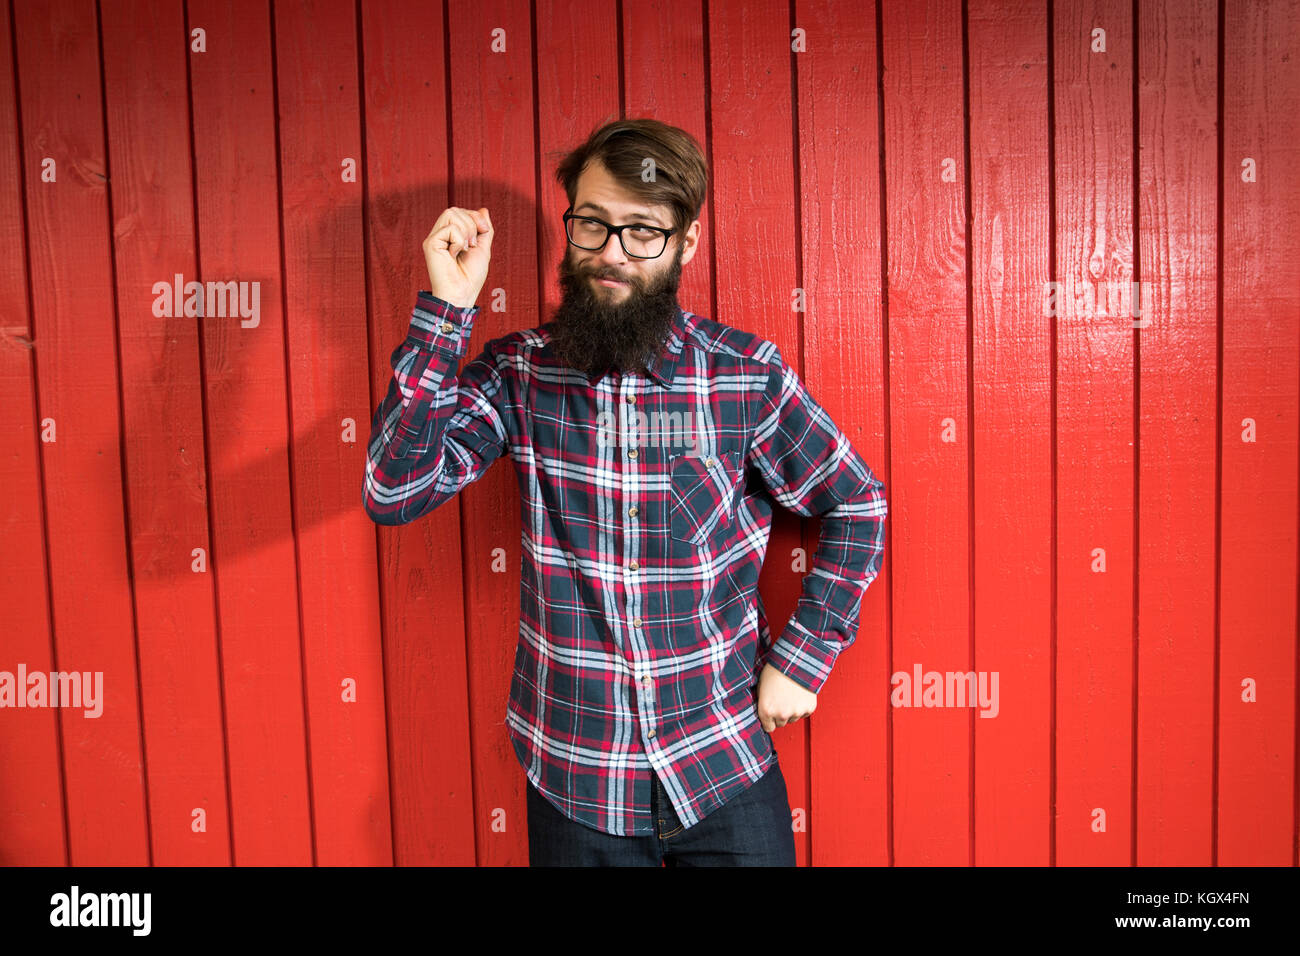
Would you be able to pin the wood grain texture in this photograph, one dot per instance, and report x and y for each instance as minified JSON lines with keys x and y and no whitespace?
{"x":1259,"y":368}
{"x":1011,"y":430}
{"x":925,"y":215}
{"x":1094,"y":419}
{"x":154,"y":240}
{"x":418,"y":573}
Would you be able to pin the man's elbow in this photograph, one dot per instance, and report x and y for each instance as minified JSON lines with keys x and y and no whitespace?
{"x":391,"y":514}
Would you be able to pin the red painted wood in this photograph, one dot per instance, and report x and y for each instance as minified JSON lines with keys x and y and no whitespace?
{"x":1177,"y":406}
{"x":73,"y":321}
{"x":418,"y":569}
{"x":1011,"y":431}
{"x":495,"y":145}
{"x":145,"y":92}
{"x":1259,"y":370}
{"x":839,"y":160}
{"x":929,"y":421}
{"x":753,"y":164}
{"x":1095,"y":395}
{"x":31,"y":752}
{"x":321,"y":170}
{"x":246,"y":398}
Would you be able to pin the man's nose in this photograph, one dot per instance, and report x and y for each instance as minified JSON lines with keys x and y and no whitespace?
{"x":612,"y":254}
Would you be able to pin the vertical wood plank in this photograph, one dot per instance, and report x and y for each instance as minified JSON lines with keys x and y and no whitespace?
{"x":321,"y":172}
{"x":1177,"y":385}
{"x":751,"y":124}
{"x":32,"y":806}
{"x":929,"y":420}
{"x":1258,"y":505}
{"x":1011,"y":471}
{"x":145,"y":90}
{"x":73,"y":318}
{"x":1093,"y":180}
{"x":494,"y":165}
{"x":246,"y":397}
{"x":839,"y":195}
{"x":420,"y":565}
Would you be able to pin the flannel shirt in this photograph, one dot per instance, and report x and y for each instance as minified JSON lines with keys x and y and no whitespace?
{"x":646,"y":503}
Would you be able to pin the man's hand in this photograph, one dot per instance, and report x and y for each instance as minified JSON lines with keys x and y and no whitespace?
{"x":781,"y":700}
{"x":457,"y":251}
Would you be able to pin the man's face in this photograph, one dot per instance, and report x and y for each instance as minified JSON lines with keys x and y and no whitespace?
{"x":616,"y":309}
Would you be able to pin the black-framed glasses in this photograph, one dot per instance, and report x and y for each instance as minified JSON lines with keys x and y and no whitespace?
{"x":639,"y":240}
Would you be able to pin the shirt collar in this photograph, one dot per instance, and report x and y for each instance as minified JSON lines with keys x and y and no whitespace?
{"x":663,"y":367}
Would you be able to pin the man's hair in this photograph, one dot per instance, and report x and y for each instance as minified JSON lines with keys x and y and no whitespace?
{"x":680,"y":177}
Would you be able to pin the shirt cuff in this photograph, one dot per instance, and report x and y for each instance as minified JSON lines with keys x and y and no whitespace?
{"x":801,"y":657}
{"x":437,"y":324}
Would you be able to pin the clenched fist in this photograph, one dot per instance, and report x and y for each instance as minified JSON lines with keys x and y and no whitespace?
{"x":457,"y":251}
{"x":781,"y":700}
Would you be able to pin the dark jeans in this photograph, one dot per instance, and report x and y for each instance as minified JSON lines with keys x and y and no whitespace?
{"x":751,"y":829}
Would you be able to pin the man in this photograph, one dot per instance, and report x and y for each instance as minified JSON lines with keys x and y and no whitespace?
{"x":650,"y":445}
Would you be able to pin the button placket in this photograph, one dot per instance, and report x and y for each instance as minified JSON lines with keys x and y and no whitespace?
{"x":632,"y":546}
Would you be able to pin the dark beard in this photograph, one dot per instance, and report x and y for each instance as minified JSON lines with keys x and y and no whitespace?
{"x":592,"y":334}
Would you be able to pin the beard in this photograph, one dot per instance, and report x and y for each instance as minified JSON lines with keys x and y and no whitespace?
{"x":591,"y":331}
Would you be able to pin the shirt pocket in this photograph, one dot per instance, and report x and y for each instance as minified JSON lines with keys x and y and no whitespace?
{"x":702,"y":490}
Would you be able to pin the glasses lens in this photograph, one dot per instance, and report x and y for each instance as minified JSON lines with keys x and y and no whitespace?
{"x":643,"y":243}
{"x":586,"y":233}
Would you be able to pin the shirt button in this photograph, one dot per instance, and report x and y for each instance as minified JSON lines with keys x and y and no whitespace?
{"x":650,"y":732}
{"x":632,"y":453}
{"x":631,"y":512}
{"x":631,"y":399}
{"x":634,"y":565}
{"x":708,"y":463}
{"x":447,"y":327}
{"x":636,"y":622}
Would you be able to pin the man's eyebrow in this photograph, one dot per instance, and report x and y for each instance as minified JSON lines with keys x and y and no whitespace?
{"x":640,"y":214}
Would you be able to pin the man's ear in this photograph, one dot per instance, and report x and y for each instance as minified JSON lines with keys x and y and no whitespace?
{"x":690,"y":241}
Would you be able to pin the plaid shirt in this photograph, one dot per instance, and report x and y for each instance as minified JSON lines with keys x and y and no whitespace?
{"x":646,"y":505}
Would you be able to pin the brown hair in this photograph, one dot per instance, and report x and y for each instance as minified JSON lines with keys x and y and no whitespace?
{"x":681,"y":175}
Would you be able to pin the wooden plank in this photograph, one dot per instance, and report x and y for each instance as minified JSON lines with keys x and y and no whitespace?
{"x":929,"y":422}
{"x":753,"y":163}
{"x":1011,"y":431}
{"x":77,"y":393}
{"x":494,"y":165}
{"x":1257,"y":694}
{"x":32,"y":806}
{"x":1178,"y":368}
{"x":321,"y":175}
{"x":246,"y":396}
{"x":419,"y":573}
{"x":1093,"y":180}
{"x":145,"y":90}
{"x":839,"y":195}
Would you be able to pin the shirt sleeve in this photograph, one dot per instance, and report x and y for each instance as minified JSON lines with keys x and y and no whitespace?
{"x":434,"y":432}
{"x":809,"y":467}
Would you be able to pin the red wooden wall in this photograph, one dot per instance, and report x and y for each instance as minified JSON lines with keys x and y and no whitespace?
{"x":1100,"y":509}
